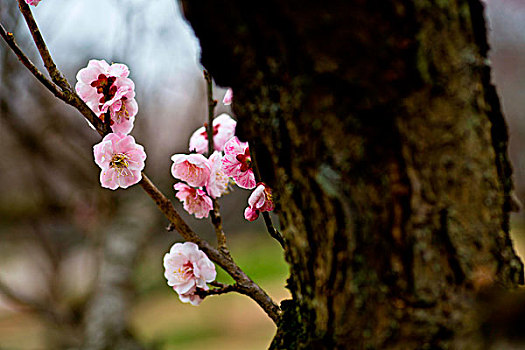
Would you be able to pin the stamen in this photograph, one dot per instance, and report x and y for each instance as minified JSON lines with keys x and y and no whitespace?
{"x":120,"y":161}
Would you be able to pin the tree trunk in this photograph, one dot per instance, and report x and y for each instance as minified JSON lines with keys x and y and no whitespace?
{"x":376,"y":124}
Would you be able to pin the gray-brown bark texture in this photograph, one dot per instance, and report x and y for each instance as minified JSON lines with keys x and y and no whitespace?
{"x":377,"y":126}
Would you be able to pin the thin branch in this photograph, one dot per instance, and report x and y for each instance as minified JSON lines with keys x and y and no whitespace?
{"x":271,"y":229}
{"x":69,"y":97}
{"x":10,"y":40}
{"x":222,"y":289}
{"x":216,"y":218}
{"x":50,"y":65}
{"x":107,"y":120}
{"x":217,"y":284}
{"x":266,"y":216}
{"x":211,"y":107}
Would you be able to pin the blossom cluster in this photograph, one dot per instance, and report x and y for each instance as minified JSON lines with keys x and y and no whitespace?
{"x":187,"y":269}
{"x":208,"y":178}
{"x":108,"y":91}
{"x":32,"y":2}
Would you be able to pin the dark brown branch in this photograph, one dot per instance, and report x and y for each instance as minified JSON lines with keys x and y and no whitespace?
{"x":50,"y":65}
{"x":107,"y":120}
{"x":10,"y":40}
{"x":222,"y":289}
{"x":69,"y":97}
{"x":271,"y":229}
{"x":211,"y":107}
{"x":266,"y":216}
{"x":215,"y":213}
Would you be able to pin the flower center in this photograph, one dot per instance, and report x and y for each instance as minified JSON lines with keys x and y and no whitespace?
{"x":123,"y":112}
{"x":104,"y":86}
{"x":245,"y":160}
{"x":119,"y":160}
{"x":185,"y":271}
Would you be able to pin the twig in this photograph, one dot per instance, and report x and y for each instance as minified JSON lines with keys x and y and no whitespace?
{"x":69,"y":97}
{"x":217,"y":284}
{"x":10,"y":40}
{"x":216,"y":220}
{"x":271,"y":229}
{"x":266,"y":216}
{"x":215,"y":213}
{"x":107,"y":119}
{"x":221,"y":289}
{"x":244,"y":284}
{"x":211,"y":106}
{"x":50,"y":65}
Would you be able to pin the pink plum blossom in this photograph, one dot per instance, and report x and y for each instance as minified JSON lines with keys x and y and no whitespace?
{"x":195,"y":200}
{"x":107,"y":88}
{"x":120,"y":159}
{"x":237,"y":163}
{"x":187,"y":268}
{"x":192,"y":168}
{"x":251,"y":214}
{"x":228,"y":97}
{"x":223,"y":130}
{"x":32,"y":2}
{"x":260,"y":200}
{"x":122,"y":106}
{"x":218,"y":181}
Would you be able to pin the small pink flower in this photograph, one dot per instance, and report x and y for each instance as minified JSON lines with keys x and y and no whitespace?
{"x":32,"y":2}
{"x":120,"y":159}
{"x":218,"y":181}
{"x":228,"y":97}
{"x":250,"y":214}
{"x":237,"y":163}
{"x":195,"y":200}
{"x":107,"y":88}
{"x":187,"y":268}
{"x":192,"y":168}
{"x":260,"y":200}
{"x":223,"y":130}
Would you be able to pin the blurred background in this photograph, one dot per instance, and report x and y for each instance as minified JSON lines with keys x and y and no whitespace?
{"x":79,"y":261}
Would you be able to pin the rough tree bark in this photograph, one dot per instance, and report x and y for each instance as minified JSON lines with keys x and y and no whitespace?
{"x":377,"y":125}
